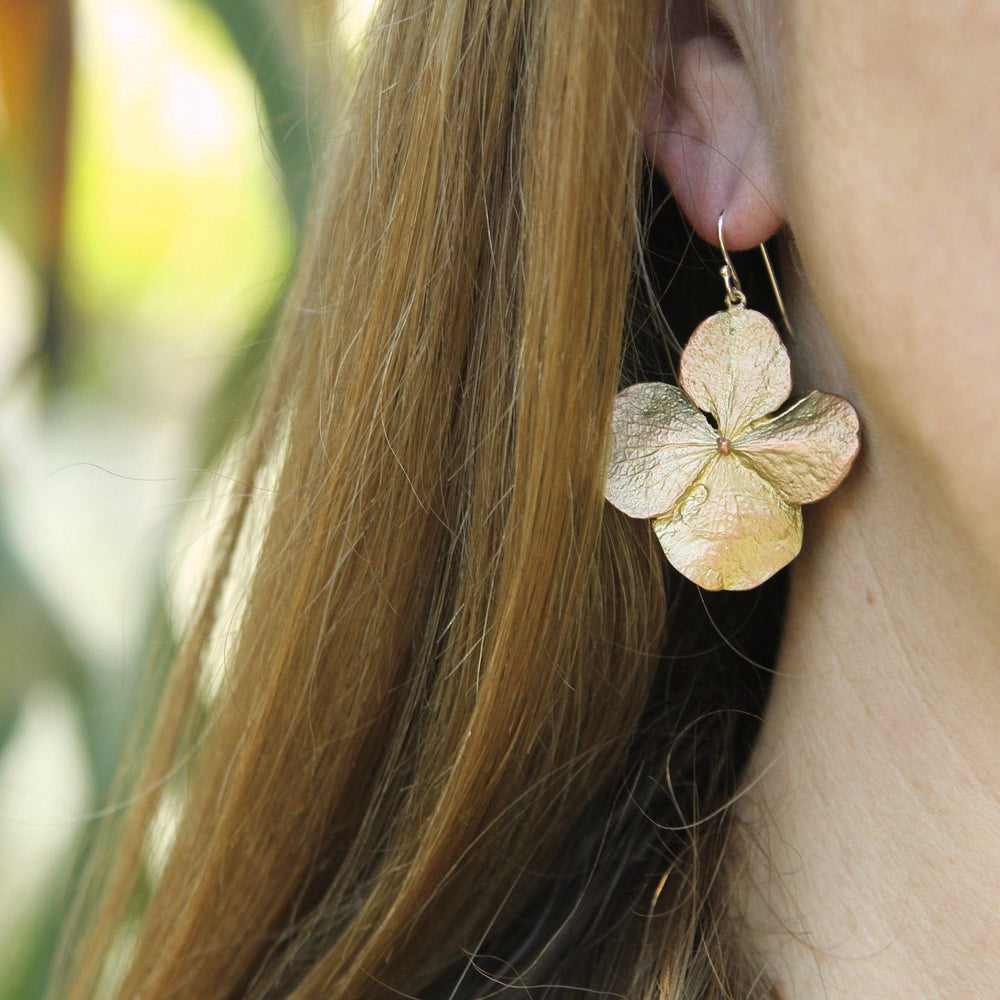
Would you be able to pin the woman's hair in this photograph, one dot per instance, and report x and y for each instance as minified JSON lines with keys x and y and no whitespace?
{"x":468,"y":739}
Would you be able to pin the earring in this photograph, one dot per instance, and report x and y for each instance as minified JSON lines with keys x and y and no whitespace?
{"x":726,"y":489}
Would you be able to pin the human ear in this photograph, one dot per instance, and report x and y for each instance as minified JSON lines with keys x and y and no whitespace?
{"x":704,"y":133}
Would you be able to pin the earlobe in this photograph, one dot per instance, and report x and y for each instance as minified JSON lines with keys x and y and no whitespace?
{"x":704,"y":134}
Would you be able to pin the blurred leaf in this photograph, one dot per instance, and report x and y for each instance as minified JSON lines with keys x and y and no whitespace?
{"x":230,"y":402}
{"x":25,"y":963}
{"x":266,"y":36}
{"x":269,"y":39}
{"x":36,"y":58}
{"x":10,"y":712}
{"x":33,"y":647}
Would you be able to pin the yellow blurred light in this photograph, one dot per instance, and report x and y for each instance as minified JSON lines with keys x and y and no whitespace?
{"x":200,"y":123}
{"x":355,"y":17}
{"x":177,"y":228}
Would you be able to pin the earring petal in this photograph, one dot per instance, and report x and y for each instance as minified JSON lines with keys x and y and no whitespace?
{"x":732,"y":531}
{"x":660,"y":445}
{"x":736,"y":368}
{"x":806,"y":451}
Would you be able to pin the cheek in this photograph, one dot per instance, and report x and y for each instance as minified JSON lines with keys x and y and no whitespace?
{"x":891,"y":124}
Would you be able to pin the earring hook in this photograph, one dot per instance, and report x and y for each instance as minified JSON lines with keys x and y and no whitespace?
{"x":734,"y":291}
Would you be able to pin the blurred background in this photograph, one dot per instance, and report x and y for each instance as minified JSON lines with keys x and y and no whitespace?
{"x":154,"y":168}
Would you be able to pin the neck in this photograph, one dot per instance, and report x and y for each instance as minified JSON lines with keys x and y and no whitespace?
{"x":871,"y":855}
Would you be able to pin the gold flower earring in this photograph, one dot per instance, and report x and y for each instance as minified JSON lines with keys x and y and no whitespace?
{"x":727,"y":497}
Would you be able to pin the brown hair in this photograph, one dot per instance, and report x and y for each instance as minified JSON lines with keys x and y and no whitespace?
{"x":452,"y":753}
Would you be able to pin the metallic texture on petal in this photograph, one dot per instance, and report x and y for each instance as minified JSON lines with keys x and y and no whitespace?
{"x":736,"y":368}
{"x":732,"y":530}
{"x":660,"y":445}
{"x":807,"y":450}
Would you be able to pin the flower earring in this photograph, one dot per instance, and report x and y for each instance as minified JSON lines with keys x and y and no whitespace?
{"x":726,"y":494}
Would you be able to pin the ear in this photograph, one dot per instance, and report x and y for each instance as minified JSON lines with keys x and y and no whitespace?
{"x":704,"y":133}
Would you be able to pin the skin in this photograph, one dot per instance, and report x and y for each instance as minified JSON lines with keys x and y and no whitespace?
{"x":869,"y":133}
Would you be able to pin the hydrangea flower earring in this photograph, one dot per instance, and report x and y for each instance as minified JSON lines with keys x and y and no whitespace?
{"x":727,"y":497}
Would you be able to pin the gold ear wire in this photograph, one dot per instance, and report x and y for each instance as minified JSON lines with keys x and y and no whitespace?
{"x":734,"y":292}
{"x":777,"y":294}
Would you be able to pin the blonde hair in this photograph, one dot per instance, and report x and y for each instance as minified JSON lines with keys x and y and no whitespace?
{"x":435,"y":766}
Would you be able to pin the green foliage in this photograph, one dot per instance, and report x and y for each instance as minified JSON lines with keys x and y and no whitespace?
{"x":36,"y":645}
{"x":267,"y":46}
